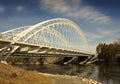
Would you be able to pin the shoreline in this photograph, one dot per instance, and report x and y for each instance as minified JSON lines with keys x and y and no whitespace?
{"x":65,"y":79}
{"x":68,"y":79}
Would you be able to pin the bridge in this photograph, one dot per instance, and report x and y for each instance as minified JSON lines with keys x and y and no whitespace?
{"x":57,"y":37}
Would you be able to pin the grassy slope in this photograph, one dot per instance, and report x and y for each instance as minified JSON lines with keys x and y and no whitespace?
{"x":13,"y":75}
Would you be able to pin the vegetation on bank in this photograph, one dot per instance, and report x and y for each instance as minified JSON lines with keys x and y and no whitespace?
{"x":12,"y":75}
{"x":109,"y":52}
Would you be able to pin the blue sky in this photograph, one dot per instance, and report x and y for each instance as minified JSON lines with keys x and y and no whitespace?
{"x":99,"y":19}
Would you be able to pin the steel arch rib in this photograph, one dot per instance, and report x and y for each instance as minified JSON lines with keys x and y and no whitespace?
{"x":12,"y":33}
{"x":43,"y":39}
{"x":75,"y":26}
{"x":81,"y":33}
{"x":59,"y":35}
{"x":19,"y":28}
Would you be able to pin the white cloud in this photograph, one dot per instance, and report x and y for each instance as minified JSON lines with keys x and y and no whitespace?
{"x":104,"y":32}
{"x":92,"y":35}
{"x":100,"y":33}
{"x":75,"y":11}
{"x":2,"y":9}
{"x":19,"y":8}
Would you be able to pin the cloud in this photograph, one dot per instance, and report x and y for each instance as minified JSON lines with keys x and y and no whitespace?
{"x":92,"y":35}
{"x":109,"y":35}
{"x":74,"y":10}
{"x":19,"y":8}
{"x":104,"y":32}
{"x":100,"y":33}
{"x":2,"y":9}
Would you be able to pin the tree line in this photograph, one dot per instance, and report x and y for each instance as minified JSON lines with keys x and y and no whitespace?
{"x":109,"y":52}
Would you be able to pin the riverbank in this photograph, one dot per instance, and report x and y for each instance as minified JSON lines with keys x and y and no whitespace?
{"x":13,"y":75}
{"x":67,"y":79}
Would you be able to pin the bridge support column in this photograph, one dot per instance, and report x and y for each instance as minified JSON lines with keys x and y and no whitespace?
{"x":89,"y":60}
{"x":69,"y":61}
{"x":7,"y":50}
{"x":4,"y":51}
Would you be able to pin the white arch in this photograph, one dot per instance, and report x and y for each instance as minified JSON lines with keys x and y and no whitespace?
{"x":40,"y":25}
{"x":81,"y":33}
{"x":12,"y":30}
{"x":12,"y":33}
{"x":43,"y":39}
{"x":59,"y":35}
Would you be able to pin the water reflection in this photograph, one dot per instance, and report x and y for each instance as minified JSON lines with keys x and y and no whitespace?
{"x":61,"y":69}
{"x":107,"y":73}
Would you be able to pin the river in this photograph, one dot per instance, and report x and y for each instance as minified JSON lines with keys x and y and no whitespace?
{"x":107,"y":73}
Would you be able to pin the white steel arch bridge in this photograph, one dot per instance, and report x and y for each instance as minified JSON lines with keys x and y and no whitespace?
{"x":53,"y":37}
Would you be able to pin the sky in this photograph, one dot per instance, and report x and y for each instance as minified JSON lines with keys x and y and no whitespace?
{"x":99,"y":19}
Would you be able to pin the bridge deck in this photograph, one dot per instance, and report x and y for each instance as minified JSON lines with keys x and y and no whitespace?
{"x":39,"y":48}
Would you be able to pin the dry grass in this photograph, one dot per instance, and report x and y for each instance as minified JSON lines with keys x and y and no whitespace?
{"x":13,"y":75}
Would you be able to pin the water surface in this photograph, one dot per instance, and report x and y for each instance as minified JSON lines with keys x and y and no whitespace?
{"x":107,"y":73}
